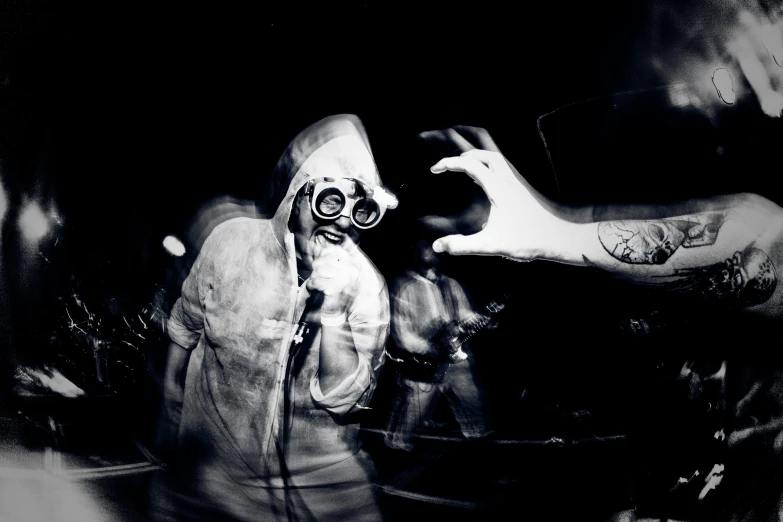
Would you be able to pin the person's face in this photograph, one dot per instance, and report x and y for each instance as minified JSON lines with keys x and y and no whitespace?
{"x":311,"y":234}
{"x":341,"y":159}
{"x":429,"y":263}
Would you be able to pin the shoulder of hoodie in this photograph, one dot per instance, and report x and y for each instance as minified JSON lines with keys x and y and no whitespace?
{"x":239,"y":228}
{"x":248,"y":228}
{"x":372,"y":281}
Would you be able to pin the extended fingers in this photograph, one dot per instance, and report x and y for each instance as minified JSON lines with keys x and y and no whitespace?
{"x":337,"y":258}
{"x":335,"y":264}
{"x":495,"y":161}
{"x":478,"y":136}
{"x":448,"y":138}
{"x":480,"y":173}
{"x":330,"y":270}
{"x":459,"y":245}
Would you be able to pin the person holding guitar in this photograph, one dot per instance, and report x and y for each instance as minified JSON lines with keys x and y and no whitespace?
{"x":431,"y":318}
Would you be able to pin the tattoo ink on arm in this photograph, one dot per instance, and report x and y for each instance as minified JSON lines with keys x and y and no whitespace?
{"x":654,"y":242}
{"x":748,"y":278}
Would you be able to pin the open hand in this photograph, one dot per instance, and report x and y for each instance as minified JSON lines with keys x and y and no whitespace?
{"x":519,"y":227}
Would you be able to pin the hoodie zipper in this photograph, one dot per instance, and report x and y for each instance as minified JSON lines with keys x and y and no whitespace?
{"x":282,"y":371}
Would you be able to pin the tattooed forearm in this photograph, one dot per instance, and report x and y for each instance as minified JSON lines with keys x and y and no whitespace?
{"x":748,"y":278}
{"x":654,"y":242}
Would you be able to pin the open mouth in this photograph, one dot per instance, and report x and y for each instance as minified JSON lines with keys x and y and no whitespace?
{"x":323,"y":237}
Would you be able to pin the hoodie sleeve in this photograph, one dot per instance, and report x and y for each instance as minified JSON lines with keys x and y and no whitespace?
{"x":369,"y":321}
{"x":186,"y":321}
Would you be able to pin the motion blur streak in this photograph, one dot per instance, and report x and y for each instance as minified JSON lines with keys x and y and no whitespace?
{"x":746,"y":54}
{"x":729,"y":48}
{"x":758,"y":47}
{"x":3,"y":202}
{"x":39,"y":497}
{"x":721,"y":78}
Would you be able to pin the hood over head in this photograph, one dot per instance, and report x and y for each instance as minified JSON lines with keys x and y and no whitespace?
{"x":336,"y":146}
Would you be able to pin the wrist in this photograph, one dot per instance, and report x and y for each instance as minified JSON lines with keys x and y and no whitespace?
{"x":333,"y":311}
{"x":333,"y":305}
{"x":570,"y":213}
{"x":568,"y":242}
{"x":337,"y":319}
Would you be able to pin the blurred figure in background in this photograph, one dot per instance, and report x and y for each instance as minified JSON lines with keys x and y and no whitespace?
{"x":265,"y":411}
{"x":427,"y":307}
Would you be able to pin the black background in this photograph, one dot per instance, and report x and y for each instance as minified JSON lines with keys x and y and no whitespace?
{"x":130,"y":116}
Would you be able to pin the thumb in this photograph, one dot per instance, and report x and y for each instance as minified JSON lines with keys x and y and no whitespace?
{"x":460,"y":245}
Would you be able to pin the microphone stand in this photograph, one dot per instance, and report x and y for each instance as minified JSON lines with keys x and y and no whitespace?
{"x":309,"y":324}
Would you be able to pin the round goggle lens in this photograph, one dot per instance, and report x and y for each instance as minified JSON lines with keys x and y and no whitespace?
{"x":366,"y":212}
{"x":330,"y":202}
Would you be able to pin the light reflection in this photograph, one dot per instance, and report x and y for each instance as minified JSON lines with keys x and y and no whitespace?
{"x":33,"y":223}
{"x":174,"y":246}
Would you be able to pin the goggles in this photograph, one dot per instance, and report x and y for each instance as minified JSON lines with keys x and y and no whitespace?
{"x":331,"y":198}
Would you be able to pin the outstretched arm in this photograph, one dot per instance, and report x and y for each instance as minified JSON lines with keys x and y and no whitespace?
{"x":727,"y":249}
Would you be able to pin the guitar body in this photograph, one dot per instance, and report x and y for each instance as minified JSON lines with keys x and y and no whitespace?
{"x":446,"y":347}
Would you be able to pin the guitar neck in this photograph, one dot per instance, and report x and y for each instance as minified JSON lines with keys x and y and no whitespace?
{"x":478,"y":321}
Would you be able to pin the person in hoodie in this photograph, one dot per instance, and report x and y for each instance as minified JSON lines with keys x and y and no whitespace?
{"x":266,"y":405}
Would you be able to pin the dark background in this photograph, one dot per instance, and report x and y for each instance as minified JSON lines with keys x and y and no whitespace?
{"x":130,"y":116}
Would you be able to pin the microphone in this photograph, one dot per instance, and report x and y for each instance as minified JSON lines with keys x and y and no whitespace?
{"x":312,"y":311}
{"x":308,"y":325}
{"x":311,"y":316}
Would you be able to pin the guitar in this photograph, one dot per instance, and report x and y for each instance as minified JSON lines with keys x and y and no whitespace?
{"x":447,"y":343}
{"x":456,"y":333}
